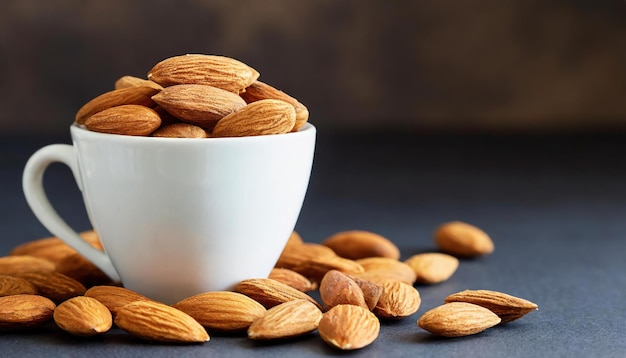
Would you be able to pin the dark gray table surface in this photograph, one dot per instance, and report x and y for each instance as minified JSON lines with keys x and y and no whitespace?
{"x":555,"y":206}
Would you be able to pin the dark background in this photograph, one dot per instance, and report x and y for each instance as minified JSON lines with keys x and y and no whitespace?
{"x":468,"y":65}
{"x":507,"y":115}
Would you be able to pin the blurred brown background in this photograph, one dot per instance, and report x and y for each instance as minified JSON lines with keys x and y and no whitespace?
{"x":468,"y":65}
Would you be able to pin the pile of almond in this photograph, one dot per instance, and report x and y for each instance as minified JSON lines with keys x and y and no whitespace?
{"x":359,"y":276}
{"x":194,"y":96}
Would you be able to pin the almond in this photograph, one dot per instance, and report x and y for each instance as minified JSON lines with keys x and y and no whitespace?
{"x":166,"y":117}
{"x":462,"y":239}
{"x":217,"y":71}
{"x":51,"y":248}
{"x":457,"y":319}
{"x":337,"y":288}
{"x":10,"y":285}
{"x":83,"y":316}
{"x":260,"y":90}
{"x":54,"y":285}
{"x":132,"y":81}
{"x":315,"y":268}
{"x":295,"y":254}
{"x":264,"y":117}
{"x":114,"y":297}
{"x":507,"y":307}
{"x":222,"y":311}
{"x":286,"y":320}
{"x":349,"y":327}
{"x":82,"y":270}
{"x":132,"y":95}
{"x":91,"y":236}
{"x":433,"y":267}
{"x":398,"y":300}
{"x":270,"y":292}
{"x":393,"y":269}
{"x":377,"y":276}
{"x":371,"y":290}
{"x":292,"y":278}
{"x":128,"y":119}
{"x":180,"y":130}
{"x":357,"y":244}
{"x":294,"y":238}
{"x":18,"y":264}
{"x":24,"y":311}
{"x":198,"y":104}
{"x":54,"y":249}
{"x":159,"y":322}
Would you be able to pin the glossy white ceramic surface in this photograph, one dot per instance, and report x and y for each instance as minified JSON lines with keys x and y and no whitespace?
{"x":180,"y":216}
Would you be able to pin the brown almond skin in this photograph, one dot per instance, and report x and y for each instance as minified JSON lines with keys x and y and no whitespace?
{"x":392,"y":268}
{"x":433,"y":267}
{"x":166,"y":117}
{"x":18,"y":312}
{"x":294,"y":254}
{"x":82,"y":270}
{"x":180,"y":130}
{"x":398,"y":300}
{"x":349,"y":327}
{"x":457,"y":319}
{"x":287,"y":320}
{"x":50,"y":248}
{"x":271,"y":293}
{"x":315,"y":268}
{"x":292,"y":278}
{"x":218,"y":71}
{"x":91,"y":236}
{"x":18,"y":264}
{"x":261,"y":90}
{"x":263,"y":117}
{"x":132,"y":81}
{"x":114,"y":297}
{"x":377,"y":276}
{"x":54,"y":249}
{"x":358,"y":244}
{"x":371,"y":290}
{"x":463,"y":240}
{"x":222,"y":311}
{"x":295,"y":238}
{"x":507,"y":307}
{"x":54,"y":285}
{"x":141,"y":95}
{"x":338,"y":288}
{"x":130,"y":119}
{"x":155,"y":321}
{"x":83,"y":316}
{"x":198,"y":104}
{"x":10,"y":285}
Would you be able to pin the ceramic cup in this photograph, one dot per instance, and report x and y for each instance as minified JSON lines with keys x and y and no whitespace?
{"x":180,"y":216}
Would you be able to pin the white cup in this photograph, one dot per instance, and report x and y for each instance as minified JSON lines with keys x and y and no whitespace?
{"x":180,"y":216}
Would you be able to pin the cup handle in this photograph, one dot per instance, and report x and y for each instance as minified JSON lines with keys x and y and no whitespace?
{"x":32,"y":184}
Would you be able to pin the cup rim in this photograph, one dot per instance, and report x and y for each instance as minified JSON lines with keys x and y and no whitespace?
{"x":84,"y":132}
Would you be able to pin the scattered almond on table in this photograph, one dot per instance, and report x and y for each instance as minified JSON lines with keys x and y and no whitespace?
{"x":222,"y":311}
{"x":46,"y":281}
{"x":159,"y":322}
{"x":286,"y":320}
{"x":458,"y":319}
{"x":24,"y":311}
{"x":432,"y":267}
{"x":83,"y":316}
{"x":507,"y":307}
{"x":463,"y":240}
{"x":349,"y":327}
